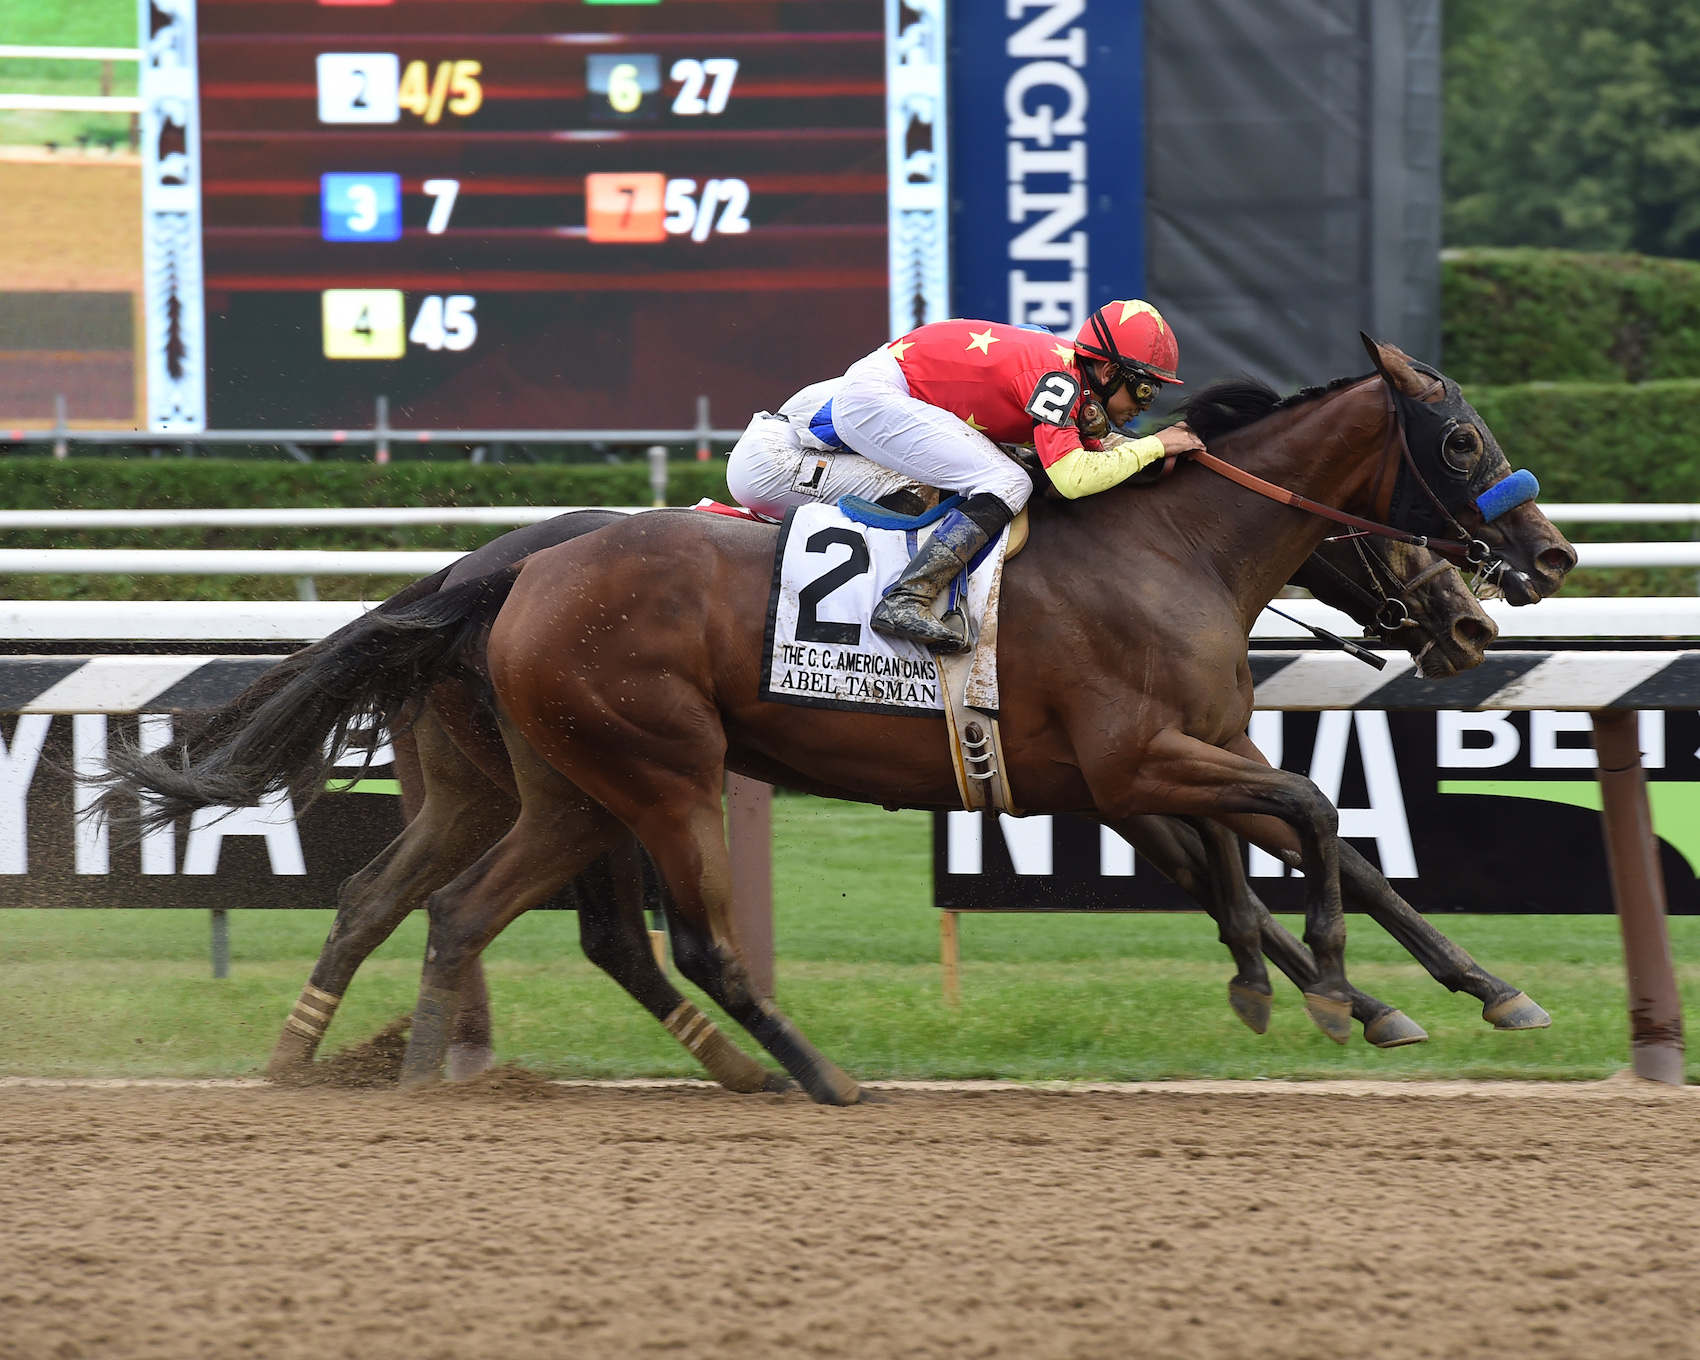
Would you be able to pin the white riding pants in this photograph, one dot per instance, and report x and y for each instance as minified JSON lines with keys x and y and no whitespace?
{"x":777,"y":463}
{"x":877,"y":417}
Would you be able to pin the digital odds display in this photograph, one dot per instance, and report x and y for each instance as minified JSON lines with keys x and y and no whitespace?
{"x":537,"y":214}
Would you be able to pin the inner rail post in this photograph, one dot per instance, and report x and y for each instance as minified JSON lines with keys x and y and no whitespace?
{"x":749,"y":827}
{"x":1638,"y":890}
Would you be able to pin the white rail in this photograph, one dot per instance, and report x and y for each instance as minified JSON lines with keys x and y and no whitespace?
{"x":1606,"y":512}
{"x":279,"y":621}
{"x":373,"y":517}
{"x":305,"y":562}
{"x":233,"y":562}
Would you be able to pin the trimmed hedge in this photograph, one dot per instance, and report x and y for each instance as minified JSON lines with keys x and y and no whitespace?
{"x":1600,"y":442}
{"x":1515,"y":316}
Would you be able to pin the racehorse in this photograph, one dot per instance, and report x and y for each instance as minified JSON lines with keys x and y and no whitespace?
{"x":1132,"y":701}
{"x":1437,"y":619}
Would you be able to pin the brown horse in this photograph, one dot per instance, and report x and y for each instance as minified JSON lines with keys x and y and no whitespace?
{"x":1438,"y":620}
{"x":1123,"y":668}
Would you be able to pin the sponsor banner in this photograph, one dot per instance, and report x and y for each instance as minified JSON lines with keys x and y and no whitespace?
{"x":54,"y":854}
{"x":1463,"y":811}
{"x":1047,"y":161}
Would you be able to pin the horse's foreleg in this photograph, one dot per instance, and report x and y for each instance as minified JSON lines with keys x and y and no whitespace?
{"x":1183,"y":775}
{"x":1175,"y":850}
{"x":1503,"y":1005}
{"x":615,"y":938}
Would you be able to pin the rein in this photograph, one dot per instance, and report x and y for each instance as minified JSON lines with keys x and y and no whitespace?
{"x":1470,"y":551}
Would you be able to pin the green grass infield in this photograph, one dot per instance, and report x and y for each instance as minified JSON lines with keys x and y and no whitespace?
{"x":1113,"y":997}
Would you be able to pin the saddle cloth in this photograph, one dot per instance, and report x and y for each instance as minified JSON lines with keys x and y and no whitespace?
{"x":819,"y":651}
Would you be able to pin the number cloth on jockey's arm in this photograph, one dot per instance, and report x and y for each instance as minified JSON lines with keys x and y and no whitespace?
{"x":1018,"y":386}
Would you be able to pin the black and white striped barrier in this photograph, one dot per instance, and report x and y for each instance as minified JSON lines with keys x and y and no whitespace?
{"x":1288,"y":681}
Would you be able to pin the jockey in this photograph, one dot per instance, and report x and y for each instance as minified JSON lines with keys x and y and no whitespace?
{"x":934,"y":405}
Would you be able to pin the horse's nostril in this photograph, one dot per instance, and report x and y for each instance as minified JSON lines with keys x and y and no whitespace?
{"x":1558,"y":560}
{"x":1474,"y":632}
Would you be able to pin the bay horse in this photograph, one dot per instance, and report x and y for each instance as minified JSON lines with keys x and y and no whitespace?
{"x":624,"y":670}
{"x":1411,"y":596}
{"x":453,"y":767}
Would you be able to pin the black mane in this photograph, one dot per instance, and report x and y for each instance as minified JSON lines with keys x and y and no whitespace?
{"x":1233,"y":403}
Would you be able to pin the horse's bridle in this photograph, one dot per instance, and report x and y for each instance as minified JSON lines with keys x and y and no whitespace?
{"x":1389,"y":606}
{"x":1468,"y":550}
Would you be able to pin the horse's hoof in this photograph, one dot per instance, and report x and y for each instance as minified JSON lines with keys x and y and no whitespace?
{"x":1516,"y":1012}
{"x":1333,"y":1018}
{"x":469,"y":1060}
{"x":1395,"y":1029}
{"x":1251,"y":1005}
{"x":777,"y":1083}
{"x":867,"y":1097}
{"x":828,"y":1084}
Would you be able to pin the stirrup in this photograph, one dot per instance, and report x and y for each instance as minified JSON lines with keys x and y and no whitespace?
{"x":920,"y":626}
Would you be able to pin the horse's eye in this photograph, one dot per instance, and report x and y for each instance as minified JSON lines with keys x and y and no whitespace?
{"x":1461,"y":447}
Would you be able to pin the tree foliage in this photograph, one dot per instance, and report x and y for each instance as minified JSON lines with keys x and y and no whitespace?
{"x":1573,"y":123}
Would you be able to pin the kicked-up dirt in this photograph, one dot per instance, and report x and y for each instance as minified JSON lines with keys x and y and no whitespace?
{"x":509,"y":1218}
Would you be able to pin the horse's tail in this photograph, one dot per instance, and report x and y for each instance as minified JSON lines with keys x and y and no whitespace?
{"x":287,"y":729}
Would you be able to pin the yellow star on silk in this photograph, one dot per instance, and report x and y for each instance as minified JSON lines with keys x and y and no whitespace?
{"x":983,"y":341}
{"x":1064,"y":352}
{"x":1135,"y":306}
{"x":900,"y":347}
{"x":969,"y":422}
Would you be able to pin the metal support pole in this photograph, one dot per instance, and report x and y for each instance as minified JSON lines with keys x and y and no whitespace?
{"x":950,"y":957}
{"x":306,"y":588}
{"x":658,"y":474}
{"x":1638,"y":889}
{"x":749,"y":828}
{"x":381,"y":431}
{"x":704,"y":429}
{"x":61,"y":446}
{"x":220,"y":942}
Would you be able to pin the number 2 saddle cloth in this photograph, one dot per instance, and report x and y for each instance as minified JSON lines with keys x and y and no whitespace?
{"x":831,"y":566}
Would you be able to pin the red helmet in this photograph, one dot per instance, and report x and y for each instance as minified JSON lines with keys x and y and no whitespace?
{"x":1134,"y":337}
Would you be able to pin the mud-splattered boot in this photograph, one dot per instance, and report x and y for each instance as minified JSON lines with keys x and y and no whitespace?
{"x":906,"y":610}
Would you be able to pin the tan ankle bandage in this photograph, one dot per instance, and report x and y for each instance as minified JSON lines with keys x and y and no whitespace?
{"x":689,"y":1026}
{"x":312,"y":1014}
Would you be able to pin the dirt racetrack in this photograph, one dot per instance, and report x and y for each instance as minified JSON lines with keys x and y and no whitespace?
{"x":513,"y":1219}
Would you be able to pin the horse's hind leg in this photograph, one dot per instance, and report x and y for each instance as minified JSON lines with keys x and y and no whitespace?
{"x":1503,"y":1005}
{"x":1249,"y":992}
{"x":460,"y":816}
{"x":615,"y":937}
{"x":558,"y":833}
{"x":680,"y":820}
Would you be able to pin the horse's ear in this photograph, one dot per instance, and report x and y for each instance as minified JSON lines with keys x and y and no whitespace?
{"x":1394,"y":365}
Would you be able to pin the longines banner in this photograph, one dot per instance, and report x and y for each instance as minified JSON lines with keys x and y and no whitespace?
{"x":1463,"y":811}
{"x":52,"y":855}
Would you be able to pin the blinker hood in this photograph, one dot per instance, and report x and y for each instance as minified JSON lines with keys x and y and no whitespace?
{"x":1488,"y":486}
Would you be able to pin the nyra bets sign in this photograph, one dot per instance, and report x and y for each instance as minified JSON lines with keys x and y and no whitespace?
{"x":1462,"y":811}
{"x":1048,"y":146}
